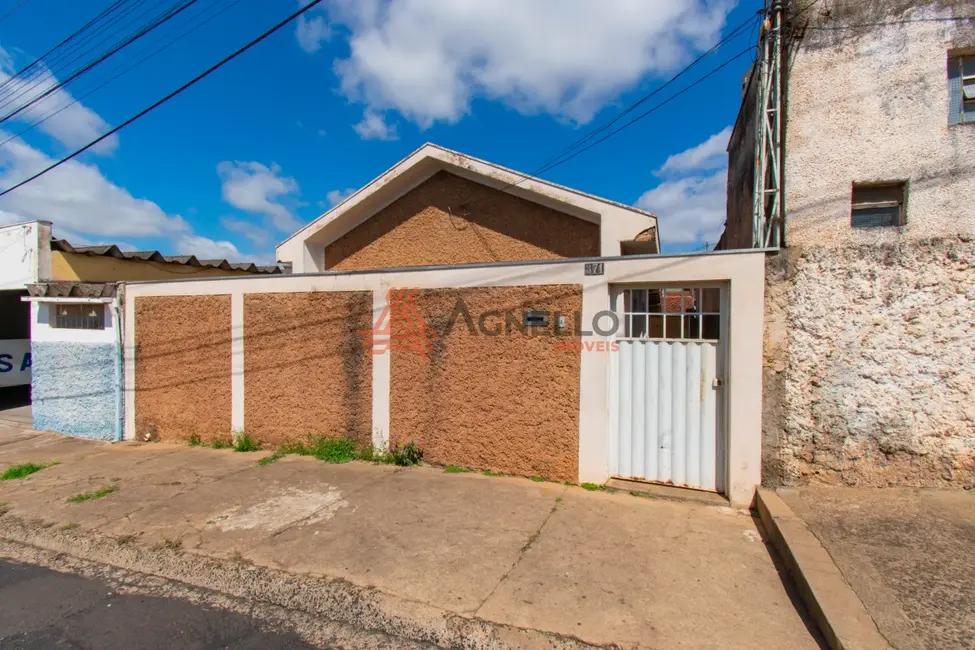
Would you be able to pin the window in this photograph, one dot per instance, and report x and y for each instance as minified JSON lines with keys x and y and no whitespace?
{"x":877,"y":205}
{"x":79,"y":316}
{"x":671,"y":313}
{"x":961,"y":89}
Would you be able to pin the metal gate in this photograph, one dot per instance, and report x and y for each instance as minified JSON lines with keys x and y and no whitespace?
{"x":665,"y":388}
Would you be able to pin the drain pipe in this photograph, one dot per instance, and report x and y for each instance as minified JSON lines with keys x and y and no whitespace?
{"x":119,"y":364}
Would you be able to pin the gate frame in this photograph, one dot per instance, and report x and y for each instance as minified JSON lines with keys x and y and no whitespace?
{"x":722,"y":371}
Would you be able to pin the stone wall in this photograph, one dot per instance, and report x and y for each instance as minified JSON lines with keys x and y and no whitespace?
{"x":870,"y":365}
{"x":73,"y":389}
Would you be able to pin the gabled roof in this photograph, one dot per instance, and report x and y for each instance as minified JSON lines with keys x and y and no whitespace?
{"x":111,"y":250}
{"x":429,"y":159}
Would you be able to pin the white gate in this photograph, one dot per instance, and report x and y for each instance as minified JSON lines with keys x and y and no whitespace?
{"x":664,"y":390}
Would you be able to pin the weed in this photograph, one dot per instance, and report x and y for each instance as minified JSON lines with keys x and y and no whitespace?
{"x":642,"y":495}
{"x":592,"y":487}
{"x":267,"y":460}
{"x":124,"y":539}
{"x":537,"y":479}
{"x":97,"y":494}
{"x":488,"y":472}
{"x":406,"y":455}
{"x":194,"y":440}
{"x":558,"y":499}
{"x":221,"y":442}
{"x":243,"y":442}
{"x":23,"y":470}
{"x":456,"y":469}
{"x":330,"y":450}
{"x":71,"y":526}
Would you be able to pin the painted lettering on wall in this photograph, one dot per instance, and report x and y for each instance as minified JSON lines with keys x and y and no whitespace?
{"x":15,"y":362}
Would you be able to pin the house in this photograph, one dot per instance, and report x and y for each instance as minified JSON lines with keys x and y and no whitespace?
{"x":868,"y":352}
{"x":505,"y":322}
{"x":60,"y":337}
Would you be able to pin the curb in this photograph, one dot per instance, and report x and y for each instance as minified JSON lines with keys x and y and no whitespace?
{"x":836,"y":608}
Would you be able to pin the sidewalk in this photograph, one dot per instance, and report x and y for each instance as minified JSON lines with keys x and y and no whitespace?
{"x":416,"y":553}
{"x":909,"y":555}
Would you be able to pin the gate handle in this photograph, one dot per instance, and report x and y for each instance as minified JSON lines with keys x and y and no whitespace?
{"x":717,"y":383}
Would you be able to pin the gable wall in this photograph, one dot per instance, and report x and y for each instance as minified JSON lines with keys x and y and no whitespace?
{"x":452,"y":220}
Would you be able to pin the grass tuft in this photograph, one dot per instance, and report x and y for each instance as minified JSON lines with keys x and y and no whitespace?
{"x":592,"y":487}
{"x":243,"y":442}
{"x":488,"y":472}
{"x":194,"y":440}
{"x":70,"y":526}
{"x":24,"y":470}
{"x":97,"y":494}
{"x":456,"y":469}
{"x":267,"y":460}
{"x":538,"y":479}
{"x":330,"y":450}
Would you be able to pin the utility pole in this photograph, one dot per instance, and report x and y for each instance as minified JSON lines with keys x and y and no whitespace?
{"x":767,"y":212}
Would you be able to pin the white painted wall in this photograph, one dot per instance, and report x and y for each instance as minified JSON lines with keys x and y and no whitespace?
{"x":43,"y":331}
{"x":25,"y":254}
{"x":742,"y":271}
{"x":869,"y":106}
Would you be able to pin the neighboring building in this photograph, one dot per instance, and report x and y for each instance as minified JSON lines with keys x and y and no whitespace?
{"x":869,"y":356}
{"x":60,"y":341}
{"x":25,"y":258}
{"x":505,"y":322}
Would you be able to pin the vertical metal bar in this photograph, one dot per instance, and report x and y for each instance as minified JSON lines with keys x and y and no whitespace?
{"x":637,"y":421}
{"x":652,"y":409}
{"x":679,"y":378}
{"x":626,"y":407}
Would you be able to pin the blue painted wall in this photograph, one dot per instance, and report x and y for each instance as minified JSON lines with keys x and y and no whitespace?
{"x":73,"y":388}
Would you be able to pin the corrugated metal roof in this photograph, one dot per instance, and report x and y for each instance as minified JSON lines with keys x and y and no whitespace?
{"x":111,"y":250}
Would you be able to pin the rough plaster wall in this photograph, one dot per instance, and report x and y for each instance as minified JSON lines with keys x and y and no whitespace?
{"x":451,"y":220}
{"x":505,"y":403}
{"x":182,"y":366}
{"x":307,"y":368}
{"x":870,"y":105}
{"x":870,"y":365}
{"x":73,"y":389}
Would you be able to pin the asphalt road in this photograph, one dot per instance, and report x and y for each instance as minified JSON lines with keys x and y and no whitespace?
{"x":40,"y":608}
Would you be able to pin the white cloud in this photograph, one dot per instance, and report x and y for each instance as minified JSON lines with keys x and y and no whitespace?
{"x":710,"y":154}
{"x":257,"y":188}
{"x":312,"y":29}
{"x":259,"y":236}
{"x":374,"y":127}
{"x":690,"y":204}
{"x":205,"y":248}
{"x":337,"y":196}
{"x":428,"y":59}
{"x":73,"y":127}
{"x":78,"y":197}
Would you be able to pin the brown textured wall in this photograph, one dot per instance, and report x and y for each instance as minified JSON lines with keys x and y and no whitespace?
{"x":508,"y":403}
{"x":451,"y":220}
{"x":306,"y":367}
{"x":182,"y":366}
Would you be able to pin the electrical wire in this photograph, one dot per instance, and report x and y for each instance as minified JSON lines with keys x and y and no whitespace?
{"x":169,"y":15}
{"x":219,"y":64}
{"x":12,"y":10}
{"x":121,"y":70}
{"x":61,"y":44}
{"x":53,"y":62}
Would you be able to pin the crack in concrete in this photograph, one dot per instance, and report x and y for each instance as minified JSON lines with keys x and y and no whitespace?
{"x":524,"y":549}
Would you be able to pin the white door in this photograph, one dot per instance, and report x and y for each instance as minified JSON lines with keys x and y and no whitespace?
{"x":665,"y":388}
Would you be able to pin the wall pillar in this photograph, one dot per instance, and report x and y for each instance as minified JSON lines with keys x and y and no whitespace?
{"x":237,"y":362}
{"x":381,"y":364}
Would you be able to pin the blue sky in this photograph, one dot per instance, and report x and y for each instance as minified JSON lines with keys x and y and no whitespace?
{"x":238,"y":162}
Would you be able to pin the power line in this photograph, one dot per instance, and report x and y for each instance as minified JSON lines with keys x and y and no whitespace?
{"x":168,"y":15}
{"x":165,"y":99}
{"x":44,"y":67}
{"x":12,"y":9}
{"x":121,"y":70}
{"x":733,"y":34}
{"x":61,"y":44}
{"x":647,"y":112}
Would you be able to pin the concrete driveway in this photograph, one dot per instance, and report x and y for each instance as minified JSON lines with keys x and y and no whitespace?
{"x":591,"y":567}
